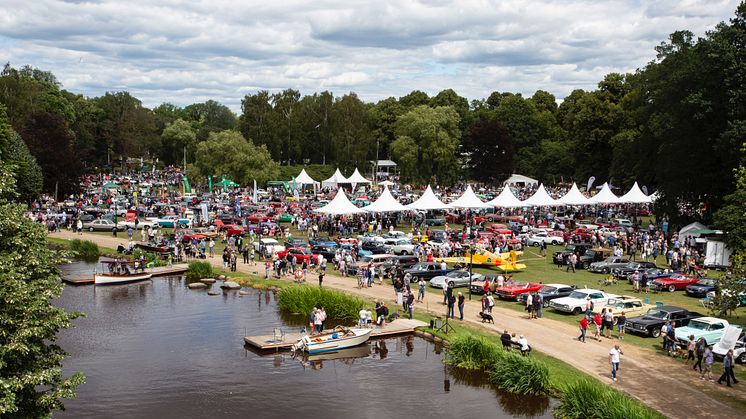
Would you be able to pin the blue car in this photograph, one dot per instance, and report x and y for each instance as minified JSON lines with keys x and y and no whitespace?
{"x":702,"y":287}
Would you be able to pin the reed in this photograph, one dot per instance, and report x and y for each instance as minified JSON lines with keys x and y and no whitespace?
{"x":473,"y":353}
{"x":85,"y":249}
{"x":198,"y":270}
{"x":593,"y":399}
{"x":520,"y":374}
{"x":303,"y":298}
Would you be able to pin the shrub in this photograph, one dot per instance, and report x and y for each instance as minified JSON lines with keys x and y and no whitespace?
{"x":473,"y":353}
{"x":199,"y":270}
{"x":593,"y":399}
{"x":84,"y":249}
{"x":520,"y":374}
{"x":303,"y":298}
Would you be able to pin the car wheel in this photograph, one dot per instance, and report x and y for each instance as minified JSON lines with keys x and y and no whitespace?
{"x":605,"y":270}
{"x":655,"y":332}
{"x":91,"y":229}
{"x":576,"y":311}
{"x":450,"y":284}
{"x":671,"y":288}
{"x":536,"y":244}
{"x":545,"y":304}
{"x":586,"y":265}
{"x":554,"y":242}
{"x":742,"y":358}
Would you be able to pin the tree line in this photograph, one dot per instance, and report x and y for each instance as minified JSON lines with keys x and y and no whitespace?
{"x":674,"y":125}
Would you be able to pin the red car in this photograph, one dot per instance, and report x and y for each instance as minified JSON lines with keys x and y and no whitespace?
{"x":512,"y":292}
{"x":583,"y":233}
{"x":300,"y":255}
{"x":234,"y":230}
{"x":674,"y":282}
{"x":258,"y":217}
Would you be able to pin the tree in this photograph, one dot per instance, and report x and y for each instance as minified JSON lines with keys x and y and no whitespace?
{"x":351,"y":136}
{"x":383,"y":116}
{"x":490,"y":151}
{"x":178,"y":137}
{"x":256,"y":119}
{"x":229,"y":154}
{"x":124,"y":126}
{"x":210,"y":116}
{"x":29,"y":179}
{"x":427,"y":144}
{"x":413,"y":99}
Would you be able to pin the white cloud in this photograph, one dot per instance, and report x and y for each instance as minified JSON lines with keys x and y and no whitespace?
{"x":184,"y":52}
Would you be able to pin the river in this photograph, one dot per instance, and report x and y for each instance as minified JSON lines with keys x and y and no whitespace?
{"x":159,"y":350}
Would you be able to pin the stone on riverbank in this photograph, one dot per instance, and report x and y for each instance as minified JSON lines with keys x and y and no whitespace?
{"x":242,"y":292}
{"x":221,"y":277}
{"x":208,"y":280}
{"x":213,"y":292}
{"x":230,"y":285}
{"x":197,"y":286}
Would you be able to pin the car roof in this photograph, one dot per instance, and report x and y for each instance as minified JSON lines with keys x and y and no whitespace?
{"x":557,"y":285}
{"x":708,"y":319}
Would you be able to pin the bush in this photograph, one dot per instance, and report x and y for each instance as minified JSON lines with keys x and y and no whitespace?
{"x":199,"y":270}
{"x":593,"y":399}
{"x":473,"y":353}
{"x":85,"y":249}
{"x":303,"y":298}
{"x":520,"y":374}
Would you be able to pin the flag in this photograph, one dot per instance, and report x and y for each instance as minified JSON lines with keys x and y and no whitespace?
{"x":590,"y":183}
{"x":209,"y":183}
{"x":255,"y":200}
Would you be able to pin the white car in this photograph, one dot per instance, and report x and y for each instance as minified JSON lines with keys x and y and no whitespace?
{"x":733,"y":338}
{"x":268,"y":246}
{"x":102,"y":225}
{"x":455,"y":279}
{"x":538,"y":238}
{"x":401,"y":247}
{"x":576,"y":301}
{"x":146,"y":224}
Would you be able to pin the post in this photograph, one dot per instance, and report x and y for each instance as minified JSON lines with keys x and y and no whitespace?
{"x":471,"y":259}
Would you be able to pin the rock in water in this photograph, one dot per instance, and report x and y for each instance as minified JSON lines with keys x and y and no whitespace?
{"x":197,"y":286}
{"x":230,"y":285}
{"x":243,"y":292}
{"x":221,"y":277}
{"x":213,"y":292}
{"x":207,"y":280}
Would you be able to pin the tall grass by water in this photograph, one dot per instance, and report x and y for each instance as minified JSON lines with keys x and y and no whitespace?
{"x":595,"y":400}
{"x":302,"y":299}
{"x":198,"y":270}
{"x":472,"y":353}
{"x":85,"y":249}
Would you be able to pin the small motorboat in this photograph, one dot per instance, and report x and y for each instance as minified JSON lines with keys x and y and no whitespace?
{"x":338,"y":338}
{"x":119,"y":271}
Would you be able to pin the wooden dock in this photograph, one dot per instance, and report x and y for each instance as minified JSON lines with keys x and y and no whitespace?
{"x":266,"y":342}
{"x":157,"y":271}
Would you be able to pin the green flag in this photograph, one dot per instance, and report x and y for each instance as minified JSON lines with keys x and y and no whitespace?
{"x":209,"y":183}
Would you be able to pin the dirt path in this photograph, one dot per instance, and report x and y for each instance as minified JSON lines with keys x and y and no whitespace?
{"x":662,"y":384}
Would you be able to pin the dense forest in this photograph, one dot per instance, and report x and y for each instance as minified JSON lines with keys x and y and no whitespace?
{"x":676,"y":125}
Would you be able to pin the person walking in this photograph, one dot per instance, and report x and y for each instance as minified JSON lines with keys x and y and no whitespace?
{"x":699,"y":349}
{"x":530,"y":305}
{"x":410,"y":304}
{"x":212,"y":247}
{"x":460,"y":306}
{"x":614,"y":355}
{"x":597,"y":321}
{"x":609,"y":323}
{"x":538,"y":305}
{"x":728,"y":370}
{"x":691,"y":346}
{"x":321,"y":278}
{"x":79,"y":225}
{"x":490,"y":303}
{"x":621,"y":321}
{"x":451,"y":304}
{"x":421,"y":290}
{"x":583,"y":328}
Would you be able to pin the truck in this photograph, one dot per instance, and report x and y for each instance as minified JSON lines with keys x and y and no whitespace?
{"x":711,"y":329}
{"x":651,"y":322}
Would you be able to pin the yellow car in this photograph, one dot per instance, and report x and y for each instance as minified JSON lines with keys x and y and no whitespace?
{"x":631,"y":306}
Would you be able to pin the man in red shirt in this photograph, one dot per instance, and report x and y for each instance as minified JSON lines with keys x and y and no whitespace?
{"x":583,"y":329}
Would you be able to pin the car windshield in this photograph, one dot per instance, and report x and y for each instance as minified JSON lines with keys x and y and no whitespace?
{"x":366,"y":259}
{"x":709,"y":282}
{"x":578,"y":295}
{"x":697,"y":325}
{"x":456,"y":274}
{"x":420,"y":267}
{"x":657,"y":314}
{"x":547,"y":289}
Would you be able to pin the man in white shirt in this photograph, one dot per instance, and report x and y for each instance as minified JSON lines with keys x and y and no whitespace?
{"x":524,"y":344}
{"x":614,"y":354}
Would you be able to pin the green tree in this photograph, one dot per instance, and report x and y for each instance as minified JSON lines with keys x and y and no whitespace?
{"x":210,"y":116}
{"x":255,"y":121}
{"x":490,"y":151}
{"x":29,"y":179}
{"x":351,"y":135}
{"x":427,"y":144}
{"x":125,"y":128}
{"x":413,"y":99}
{"x":229,"y":154}
{"x":177,"y":139}
{"x":383,"y":116}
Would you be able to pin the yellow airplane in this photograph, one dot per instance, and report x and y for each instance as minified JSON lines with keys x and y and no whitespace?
{"x":506,"y":262}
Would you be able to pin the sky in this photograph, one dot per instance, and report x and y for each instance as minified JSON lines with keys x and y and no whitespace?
{"x":186,"y":52}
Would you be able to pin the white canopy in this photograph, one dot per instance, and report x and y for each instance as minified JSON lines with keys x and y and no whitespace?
{"x":336,"y":179}
{"x":469,"y":200}
{"x":506,"y":199}
{"x":386,"y":183}
{"x":356,"y":177}
{"x":304,"y":179}
{"x":574,"y":197}
{"x":635,"y":196}
{"x":541,"y":199}
{"x":428,"y":201}
{"x":516,"y":178}
{"x":386,"y":203}
{"x":605,"y":196}
{"x":340,"y":205}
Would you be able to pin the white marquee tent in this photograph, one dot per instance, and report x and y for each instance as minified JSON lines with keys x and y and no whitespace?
{"x":428,"y":201}
{"x":356,"y":178}
{"x":469,"y":200}
{"x":574,"y":197}
{"x":520,"y":179}
{"x":635,"y":196}
{"x":304,"y":179}
{"x":541,"y":199}
{"x":605,"y":196}
{"x":340,"y":205}
{"x":386,"y":203}
{"x":506,"y":199}
{"x":335,"y":180}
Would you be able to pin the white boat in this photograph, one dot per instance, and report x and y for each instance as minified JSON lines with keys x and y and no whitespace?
{"x":118,"y":272}
{"x":337,"y":339}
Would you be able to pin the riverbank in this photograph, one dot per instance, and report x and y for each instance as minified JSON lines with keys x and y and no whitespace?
{"x":656,"y":381}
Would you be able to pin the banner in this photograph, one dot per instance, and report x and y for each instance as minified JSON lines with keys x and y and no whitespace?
{"x":645,"y":190}
{"x":590,"y":183}
{"x":238,"y":206}
{"x":209,"y":183}
{"x":205,"y":213}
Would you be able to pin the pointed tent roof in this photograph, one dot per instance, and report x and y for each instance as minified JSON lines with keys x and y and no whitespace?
{"x":386,"y":203}
{"x":386,"y":183}
{"x":541,"y":199}
{"x":469,"y":200}
{"x":356,"y":177}
{"x":574,"y":197}
{"x":340,"y":205}
{"x":605,"y":196}
{"x":304,"y":179}
{"x":635,"y":196}
{"x":506,"y":199}
{"x":336,"y":178}
{"x":428,"y":201}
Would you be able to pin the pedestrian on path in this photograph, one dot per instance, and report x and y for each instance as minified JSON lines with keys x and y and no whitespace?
{"x":321,"y":278}
{"x":614,"y":355}
{"x":709,"y":360}
{"x":212,"y":247}
{"x":597,"y":322}
{"x":583,"y":328}
{"x":461,"y":306}
{"x":728,"y":374}
{"x":421,"y":290}
{"x":700,"y":350}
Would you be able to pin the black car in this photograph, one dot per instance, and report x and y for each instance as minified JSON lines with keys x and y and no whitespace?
{"x":560,"y":258}
{"x":650,"y":324}
{"x":374,"y":247}
{"x":592,"y":255}
{"x":549,"y":292}
{"x":425,"y":270}
{"x":632,"y":267}
{"x":296,"y":243}
{"x":702,"y":287}
{"x":327,"y":251}
{"x":395,"y":263}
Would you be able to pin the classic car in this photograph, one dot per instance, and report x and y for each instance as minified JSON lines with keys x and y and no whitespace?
{"x":631,"y":267}
{"x":651,"y":322}
{"x":593,"y":255}
{"x":647,"y":274}
{"x":234,"y":230}
{"x":549,"y":292}
{"x":171,"y":221}
{"x":539,"y":238}
{"x":401,"y":247}
{"x":576,"y":301}
{"x":513,"y":291}
{"x":560,"y":258}
{"x":709,"y":328}
{"x":329,"y":252}
{"x":268,"y":246}
{"x":301,"y":254}
{"x":734,"y":338}
{"x":606,"y":265}
{"x":293,"y":242}
{"x":393,"y":264}
{"x":702,"y":287}
{"x":285,"y":218}
{"x":453,"y":279}
{"x":631,"y":306}
{"x":425,"y":270}
{"x":102,"y":225}
{"x":258,"y":217}
{"x":322,"y":241}
{"x":674,"y":282}
{"x":582,"y":233}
